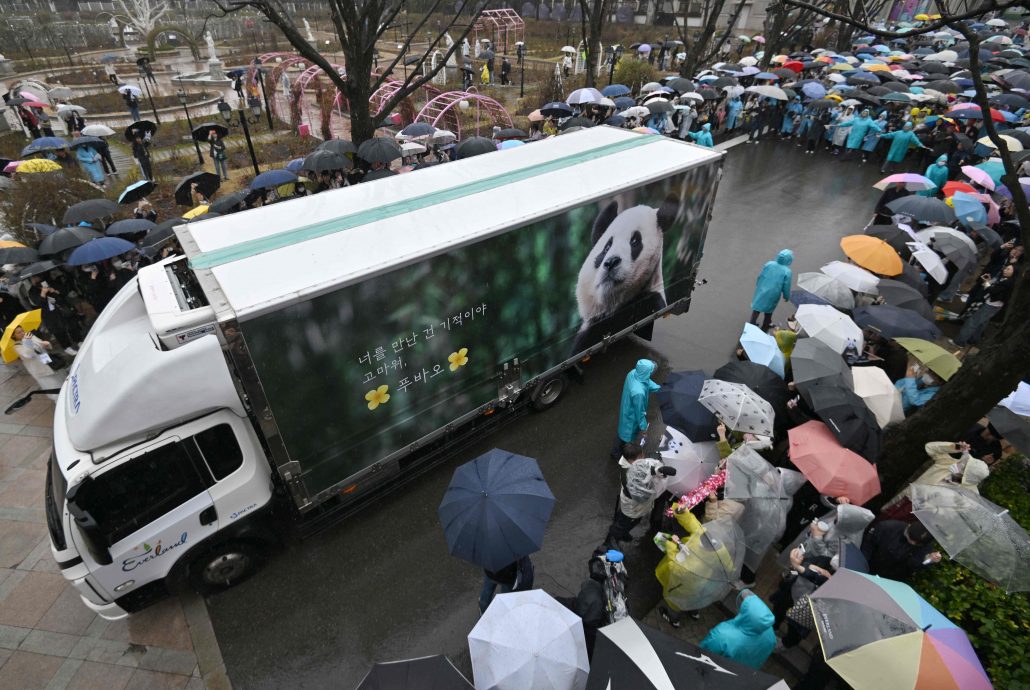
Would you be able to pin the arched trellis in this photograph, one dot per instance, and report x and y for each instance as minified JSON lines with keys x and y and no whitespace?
{"x":440,"y":111}
{"x":312,"y":74}
{"x":157,"y":32}
{"x":280,"y":100}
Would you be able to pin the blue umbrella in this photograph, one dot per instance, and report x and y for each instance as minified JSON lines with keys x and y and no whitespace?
{"x":99,"y":249}
{"x":615,"y":90}
{"x":623,"y":102}
{"x":895,"y":322}
{"x":135,"y":191}
{"x":273,"y":178}
{"x":993,"y":168}
{"x":496,"y":509}
{"x":969,"y":209}
{"x":295,"y":166}
{"x":130,"y":226}
{"x":615,"y":121}
{"x":44,"y":144}
{"x":510,"y":144}
{"x":677,"y":399}
{"x":799,"y":297}
{"x":813,"y":90}
{"x":761,"y":348}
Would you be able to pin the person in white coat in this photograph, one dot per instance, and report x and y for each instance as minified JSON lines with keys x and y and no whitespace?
{"x":34,"y":353}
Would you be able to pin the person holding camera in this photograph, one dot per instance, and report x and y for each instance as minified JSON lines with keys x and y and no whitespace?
{"x":643,"y":481}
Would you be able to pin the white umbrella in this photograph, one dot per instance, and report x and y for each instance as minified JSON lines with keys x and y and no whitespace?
{"x":830,"y":289}
{"x":692,"y":95}
{"x":64,"y":111}
{"x":568,"y":49}
{"x":649,"y":87}
{"x":694,"y":462}
{"x":410,"y":148}
{"x":997,"y":21}
{"x":528,"y":640}
{"x":829,"y":326}
{"x":928,"y":234}
{"x":748,"y":61}
{"x":855,"y":277}
{"x":442,"y":136}
{"x":59,"y":92}
{"x":635,"y":111}
{"x":129,"y":88}
{"x":734,"y":90}
{"x":929,"y":260}
{"x":97,"y":131}
{"x":1019,"y":400}
{"x":774,"y":92}
{"x":739,"y":407}
{"x":585,"y":95}
{"x":879,"y":394}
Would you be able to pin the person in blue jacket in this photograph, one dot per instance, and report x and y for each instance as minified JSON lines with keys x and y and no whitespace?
{"x":89,"y":160}
{"x":860,"y":126}
{"x":633,"y":407}
{"x":901,"y":140}
{"x":916,"y":392}
{"x":938,"y":174}
{"x":704,"y":137}
{"x":872,"y":139}
{"x":773,"y":281}
{"x":733,"y":108}
{"x":791,"y":117}
{"x":748,"y":637}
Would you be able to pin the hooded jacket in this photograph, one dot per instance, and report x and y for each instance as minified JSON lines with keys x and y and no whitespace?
{"x":633,"y":407}
{"x":901,"y":141}
{"x":938,"y":174}
{"x":860,"y":126}
{"x":773,"y":281}
{"x":704,"y":137}
{"x":747,"y":638}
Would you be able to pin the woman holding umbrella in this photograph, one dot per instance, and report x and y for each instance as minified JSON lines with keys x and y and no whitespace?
{"x":89,"y":159}
{"x":141,"y":152}
{"x":75,"y":121}
{"x":218,"y":154}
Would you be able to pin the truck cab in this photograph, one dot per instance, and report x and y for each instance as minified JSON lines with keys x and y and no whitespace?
{"x":157,"y":473}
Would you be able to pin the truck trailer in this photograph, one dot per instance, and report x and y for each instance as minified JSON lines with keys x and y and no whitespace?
{"x":304,"y":357}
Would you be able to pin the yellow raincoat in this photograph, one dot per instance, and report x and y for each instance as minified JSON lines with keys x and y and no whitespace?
{"x":484,"y":75}
{"x":692,"y":574}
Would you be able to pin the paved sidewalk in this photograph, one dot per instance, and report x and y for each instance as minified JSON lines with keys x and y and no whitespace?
{"x":48,"y":638}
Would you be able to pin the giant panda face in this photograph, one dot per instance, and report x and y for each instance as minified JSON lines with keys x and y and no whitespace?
{"x":628,"y":251}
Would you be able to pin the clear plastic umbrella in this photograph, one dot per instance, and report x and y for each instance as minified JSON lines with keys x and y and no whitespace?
{"x":694,"y":462}
{"x":739,"y":407}
{"x":703,"y":567}
{"x":855,"y":277}
{"x":975,"y":532}
{"x":767,"y":493}
{"x":830,"y":289}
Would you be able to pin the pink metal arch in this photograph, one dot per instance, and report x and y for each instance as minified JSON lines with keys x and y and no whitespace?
{"x":440,"y":112}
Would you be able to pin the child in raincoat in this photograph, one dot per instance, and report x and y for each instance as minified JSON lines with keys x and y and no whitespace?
{"x":901,"y":141}
{"x":748,"y":637}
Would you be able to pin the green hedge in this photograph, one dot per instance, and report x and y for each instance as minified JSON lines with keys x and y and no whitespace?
{"x":998,"y":624}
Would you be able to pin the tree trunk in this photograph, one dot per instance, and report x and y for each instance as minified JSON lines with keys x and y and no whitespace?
{"x":358,"y":92}
{"x":697,"y":48}
{"x":776,"y":18}
{"x":594,"y":19}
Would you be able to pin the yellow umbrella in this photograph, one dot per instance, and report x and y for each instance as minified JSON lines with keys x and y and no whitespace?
{"x":872,"y":253}
{"x":198,"y":211}
{"x":835,"y":97}
{"x":922,"y":17}
{"x":876,"y":67}
{"x":37,"y":165}
{"x":4,"y":244}
{"x":286,"y":190}
{"x":842,"y":67}
{"x":1012,"y":143}
{"x":28,"y":320}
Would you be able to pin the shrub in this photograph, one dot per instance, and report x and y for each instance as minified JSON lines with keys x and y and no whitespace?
{"x":998,"y":624}
{"x":634,"y":73}
{"x":42,"y":198}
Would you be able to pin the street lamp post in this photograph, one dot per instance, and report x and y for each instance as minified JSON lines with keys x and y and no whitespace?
{"x":146,"y":85}
{"x":189,"y":123}
{"x":264,"y":95}
{"x":616,"y":55}
{"x":520,"y":51}
{"x":226,"y":111}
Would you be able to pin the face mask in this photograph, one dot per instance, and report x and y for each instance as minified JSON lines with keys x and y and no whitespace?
{"x":926,"y":379}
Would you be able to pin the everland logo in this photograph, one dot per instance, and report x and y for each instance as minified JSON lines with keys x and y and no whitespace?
{"x":150,"y":553}
{"x":74,"y":388}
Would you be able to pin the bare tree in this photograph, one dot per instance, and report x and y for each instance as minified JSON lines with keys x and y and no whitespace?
{"x":705,"y":45}
{"x":142,"y":15}
{"x":358,"y":25}
{"x":594,"y":18}
{"x":1001,"y":361}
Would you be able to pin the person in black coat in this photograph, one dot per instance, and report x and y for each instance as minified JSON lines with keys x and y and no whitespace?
{"x":897,"y":550}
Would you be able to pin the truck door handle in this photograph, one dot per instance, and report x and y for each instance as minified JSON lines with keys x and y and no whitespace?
{"x":208,"y":515}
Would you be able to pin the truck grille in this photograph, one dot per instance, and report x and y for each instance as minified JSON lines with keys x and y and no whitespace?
{"x":55,"y":488}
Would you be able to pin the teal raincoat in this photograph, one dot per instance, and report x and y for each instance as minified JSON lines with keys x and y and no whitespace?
{"x":704,"y":137}
{"x":860,"y":126}
{"x":773,"y":281}
{"x":635,"y":392}
{"x":901,"y":140}
{"x":747,"y":638}
{"x":938,"y":174}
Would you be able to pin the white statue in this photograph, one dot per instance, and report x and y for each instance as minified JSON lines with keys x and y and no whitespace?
{"x":465,"y":47}
{"x":449,"y":42}
{"x":209,"y":39}
{"x":307,"y":29}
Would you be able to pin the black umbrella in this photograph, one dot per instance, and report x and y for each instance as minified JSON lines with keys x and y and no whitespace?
{"x":680,"y":85}
{"x":910,"y":276}
{"x":822,"y":104}
{"x":131,"y":226}
{"x":378,"y":174}
{"x":895,"y":322}
{"x":136,"y":191}
{"x":762,"y":380}
{"x":203,"y":131}
{"x":207,"y":184}
{"x":41,"y":229}
{"x":923,"y":208}
{"x":427,"y":673}
{"x":813,"y":361}
{"x":203,"y":216}
{"x":728,"y":81}
{"x":412,"y":59}
{"x":65,"y":239}
{"x":899,"y":294}
{"x":943,"y":86}
{"x":88,"y":210}
{"x":556,"y":109}
{"x":161,"y":233}
{"x":628,"y":654}
{"x":486,"y":54}
{"x":340,"y":146}
{"x":848,"y":418}
{"x":18,"y":255}
{"x":139,"y":129}
{"x":322,"y":161}
{"x":677,"y":399}
{"x":37,"y":269}
{"x":894,"y":236}
{"x":1012,"y":427}
{"x":657,"y":106}
{"x":510,"y":133}
{"x":577,"y":122}
{"x":380,"y":150}
{"x":475,"y":146}
{"x":95,"y":142}
{"x":709,"y":94}
{"x":228,"y":203}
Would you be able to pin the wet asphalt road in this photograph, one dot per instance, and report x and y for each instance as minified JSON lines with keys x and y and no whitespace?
{"x":381,"y":586}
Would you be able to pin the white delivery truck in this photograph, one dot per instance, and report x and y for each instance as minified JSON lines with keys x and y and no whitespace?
{"x":302,"y":356}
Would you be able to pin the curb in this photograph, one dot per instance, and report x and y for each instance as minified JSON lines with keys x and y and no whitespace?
{"x":205,"y":644}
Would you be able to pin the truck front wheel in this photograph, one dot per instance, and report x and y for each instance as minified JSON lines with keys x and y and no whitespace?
{"x":224,"y":566}
{"x":549,"y":391}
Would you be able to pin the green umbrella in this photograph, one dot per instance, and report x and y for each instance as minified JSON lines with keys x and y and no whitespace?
{"x":935,"y":357}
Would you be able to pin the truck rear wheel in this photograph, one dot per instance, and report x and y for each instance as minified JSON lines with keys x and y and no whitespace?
{"x":549,"y":391}
{"x":225,"y":566}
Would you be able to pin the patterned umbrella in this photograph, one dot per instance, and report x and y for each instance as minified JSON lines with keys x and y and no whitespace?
{"x":694,"y":462}
{"x":739,"y":407}
{"x":879,"y":633}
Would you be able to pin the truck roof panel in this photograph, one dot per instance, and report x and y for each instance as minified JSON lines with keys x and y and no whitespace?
{"x":253,"y":262}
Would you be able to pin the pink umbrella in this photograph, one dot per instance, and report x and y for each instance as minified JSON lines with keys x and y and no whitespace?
{"x":978,"y":176}
{"x":993,"y":211}
{"x":832,"y":469}
{"x":34,"y":104}
{"x":912,"y":182}
{"x":28,"y":94}
{"x":10,"y":167}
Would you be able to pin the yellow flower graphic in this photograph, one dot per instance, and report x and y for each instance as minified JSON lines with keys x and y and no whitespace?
{"x":459,"y":358}
{"x":377,"y":397}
